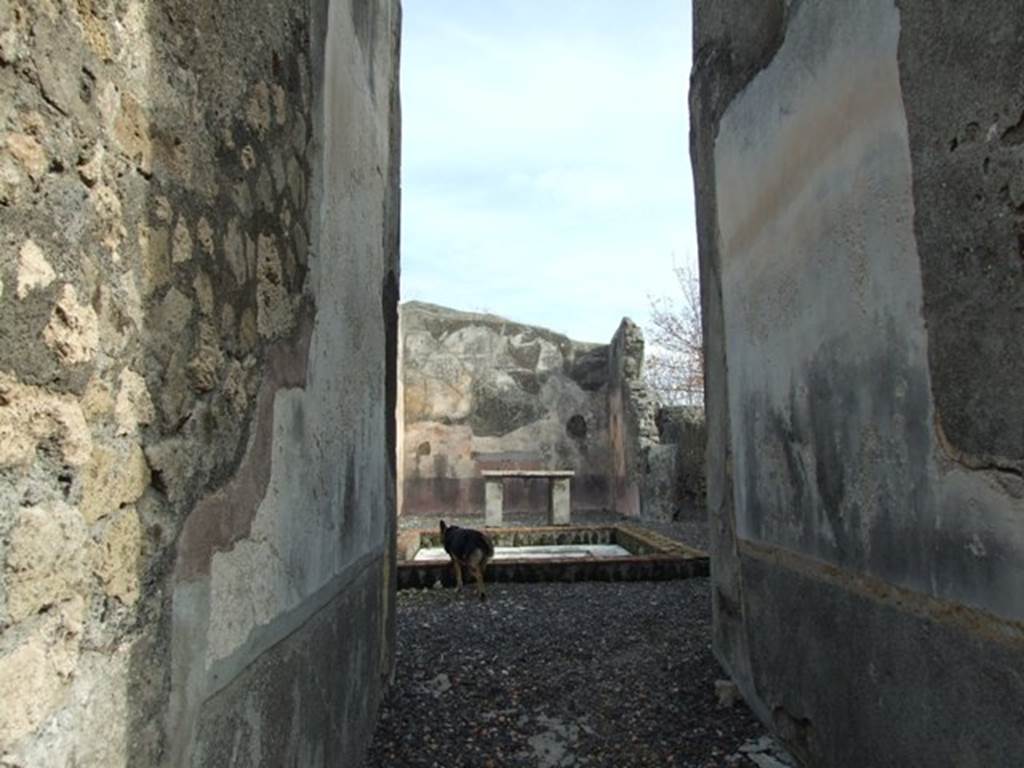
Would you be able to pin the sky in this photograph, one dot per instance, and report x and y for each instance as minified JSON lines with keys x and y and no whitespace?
{"x":545,"y":158}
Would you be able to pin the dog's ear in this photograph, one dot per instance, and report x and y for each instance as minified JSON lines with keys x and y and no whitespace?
{"x":443,"y":526}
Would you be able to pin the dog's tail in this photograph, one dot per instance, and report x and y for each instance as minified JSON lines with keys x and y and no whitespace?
{"x":488,"y":546}
{"x":443,"y":528}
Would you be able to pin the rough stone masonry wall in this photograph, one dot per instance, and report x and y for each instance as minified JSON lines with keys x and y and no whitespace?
{"x":860,"y":229}
{"x":657,"y":451}
{"x":631,"y":420}
{"x":198,"y":287}
{"x":682,"y":439}
{"x":481,"y":392}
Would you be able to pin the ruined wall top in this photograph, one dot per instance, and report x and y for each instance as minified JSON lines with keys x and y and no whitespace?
{"x":483,"y":392}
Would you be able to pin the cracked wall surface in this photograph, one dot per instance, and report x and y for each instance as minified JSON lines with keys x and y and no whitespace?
{"x":481,"y":392}
{"x":198,"y":324}
{"x":676,"y":475}
{"x":862,"y":278}
{"x":631,"y":422}
{"x":657,"y":454}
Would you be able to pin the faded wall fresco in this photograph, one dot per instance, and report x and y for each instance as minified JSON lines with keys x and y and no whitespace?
{"x":199,"y":288}
{"x":861,"y":484}
{"x":481,"y":392}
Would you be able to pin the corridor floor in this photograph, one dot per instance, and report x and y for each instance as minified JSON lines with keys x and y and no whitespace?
{"x":546,"y":675}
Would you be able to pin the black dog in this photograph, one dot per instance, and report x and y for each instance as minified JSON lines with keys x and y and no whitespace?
{"x":470,"y":548}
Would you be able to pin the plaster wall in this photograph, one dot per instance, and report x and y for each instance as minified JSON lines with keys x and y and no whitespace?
{"x":199,"y":208}
{"x":828,"y":303}
{"x":482,"y":392}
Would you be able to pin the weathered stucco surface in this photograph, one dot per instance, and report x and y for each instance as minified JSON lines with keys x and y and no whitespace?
{"x":676,"y":484}
{"x":631,"y":410}
{"x":864,"y":486}
{"x":198,"y":222}
{"x":481,"y":392}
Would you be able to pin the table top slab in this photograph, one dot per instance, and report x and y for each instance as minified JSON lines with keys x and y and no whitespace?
{"x":500,"y":473}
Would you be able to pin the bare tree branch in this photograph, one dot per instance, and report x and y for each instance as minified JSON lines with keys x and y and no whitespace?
{"x":674,"y":369}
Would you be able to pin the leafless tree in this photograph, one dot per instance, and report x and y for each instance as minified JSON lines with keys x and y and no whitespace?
{"x":674,"y":368}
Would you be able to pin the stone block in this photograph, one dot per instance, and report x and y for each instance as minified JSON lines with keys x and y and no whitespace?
{"x":36,"y":669}
{"x":494,"y":496}
{"x":133,"y":406}
{"x":560,"y":501}
{"x":119,"y":548}
{"x":34,"y":271}
{"x":117,"y":475}
{"x":73,"y":332}
{"x":47,"y":559}
{"x":275,"y":314}
{"x":30,"y":416}
{"x":727,"y":693}
{"x":29,"y":154}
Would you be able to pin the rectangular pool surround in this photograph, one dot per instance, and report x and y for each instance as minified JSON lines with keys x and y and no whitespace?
{"x":575,"y":553}
{"x":539,"y":552}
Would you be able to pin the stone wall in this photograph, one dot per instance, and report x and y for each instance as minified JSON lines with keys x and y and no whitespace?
{"x":198,"y":213}
{"x":482,"y":392}
{"x":860,"y":231}
{"x":663,"y":473}
{"x":631,"y":412}
{"x":682,"y":437}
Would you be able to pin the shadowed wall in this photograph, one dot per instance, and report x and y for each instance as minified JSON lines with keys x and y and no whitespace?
{"x":862,"y":278}
{"x":199,"y":217}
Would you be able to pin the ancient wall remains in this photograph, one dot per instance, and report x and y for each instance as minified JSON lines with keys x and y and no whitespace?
{"x":481,"y":392}
{"x":198,"y":288}
{"x":631,"y":409}
{"x":658,"y":451}
{"x":675,"y":464}
{"x":860,"y":229}
{"x":668,"y":476}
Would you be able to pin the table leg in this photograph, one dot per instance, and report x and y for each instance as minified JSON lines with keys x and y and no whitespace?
{"x":494,"y":499}
{"x":559,"y":502}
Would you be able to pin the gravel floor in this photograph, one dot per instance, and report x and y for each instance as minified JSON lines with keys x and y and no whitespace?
{"x":545,"y":675}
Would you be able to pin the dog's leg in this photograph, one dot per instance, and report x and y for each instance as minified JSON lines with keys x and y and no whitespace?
{"x":478,"y":574}
{"x":458,"y":575}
